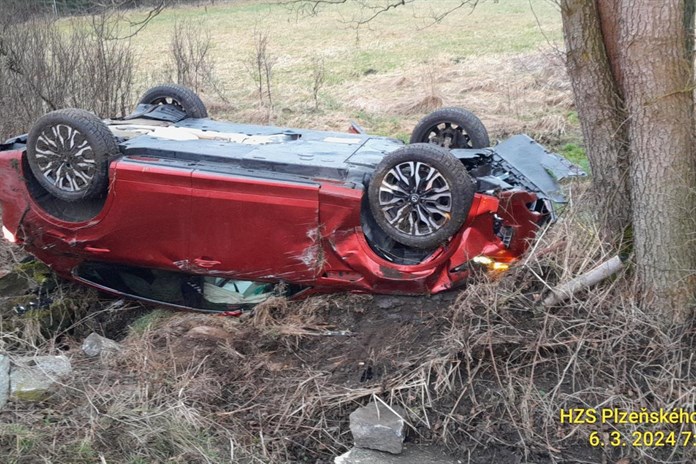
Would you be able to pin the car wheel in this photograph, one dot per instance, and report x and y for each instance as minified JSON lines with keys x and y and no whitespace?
{"x":182,"y":97}
{"x":420,"y":195}
{"x":451,"y":128}
{"x":69,"y":152}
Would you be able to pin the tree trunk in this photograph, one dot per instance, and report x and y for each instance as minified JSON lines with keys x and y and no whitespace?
{"x":599,"y":106}
{"x":608,"y":11}
{"x":689,"y":15}
{"x":657,"y":81}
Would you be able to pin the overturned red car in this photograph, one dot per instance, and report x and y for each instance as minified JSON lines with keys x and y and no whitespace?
{"x":170,"y":206}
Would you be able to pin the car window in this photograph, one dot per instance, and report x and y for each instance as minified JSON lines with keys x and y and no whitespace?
{"x":207,"y":293}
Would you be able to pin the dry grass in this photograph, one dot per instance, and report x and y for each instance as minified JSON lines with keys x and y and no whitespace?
{"x":516,"y":93}
{"x":503,"y":65}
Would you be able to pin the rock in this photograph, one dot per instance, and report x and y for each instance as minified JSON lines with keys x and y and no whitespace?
{"x":208,"y":333}
{"x":376,"y":427}
{"x":4,"y":379}
{"x":411,"y":454}
{"x":386,"y":302}
{"x":15,"y":284}
{"x":96,"y":345}
{"x":34,"y":378}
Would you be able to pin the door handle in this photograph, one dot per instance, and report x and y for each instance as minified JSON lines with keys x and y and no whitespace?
{"x":206,"y":263}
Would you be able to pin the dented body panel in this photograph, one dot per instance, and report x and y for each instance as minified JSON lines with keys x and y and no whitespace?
{"x":253,"y":211}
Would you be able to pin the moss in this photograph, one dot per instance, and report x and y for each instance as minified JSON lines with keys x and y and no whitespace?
{"x":33,"y":396}
{"x":32,"y":308}
{"x":36,"y":270}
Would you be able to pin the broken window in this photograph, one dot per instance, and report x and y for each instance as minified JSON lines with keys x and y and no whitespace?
{"x":206,"y":293}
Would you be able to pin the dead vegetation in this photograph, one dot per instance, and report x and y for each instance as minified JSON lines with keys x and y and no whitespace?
{"x":485,"y":372}
{"x":260,"y":65}
{"x":522,"y":93}
{"x":318,"y":78}
{"x":189,"y":49}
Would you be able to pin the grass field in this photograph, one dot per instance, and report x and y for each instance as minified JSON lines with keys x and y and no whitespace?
{"x":500,"y":60}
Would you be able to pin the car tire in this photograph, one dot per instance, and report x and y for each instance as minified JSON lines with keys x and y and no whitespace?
{"x":451,"y":128}
{"x":420,"y":195}
{"x":69,"y":152}
{"x":182,"y":97}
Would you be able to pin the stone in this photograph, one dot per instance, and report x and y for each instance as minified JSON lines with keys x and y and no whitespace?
{"x":208,"y":333}
{"x":15,"y":284}
{"x":96,"y":345}
{"x":411,"y":454}
{"x":377,"y":427}
{"x":4,"y":380}
{"x":34,"y":378}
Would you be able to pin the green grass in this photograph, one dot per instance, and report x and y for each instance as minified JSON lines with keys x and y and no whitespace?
{"x":576,"y":154}
{"x":392,"y":40}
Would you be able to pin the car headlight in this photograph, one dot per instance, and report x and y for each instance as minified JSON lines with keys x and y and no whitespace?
{"x":484,"y":263}
{"x":9,"y":236}
{"x":490,"y":264}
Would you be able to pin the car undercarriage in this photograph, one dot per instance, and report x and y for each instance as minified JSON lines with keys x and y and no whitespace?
{"x":219,"y":213}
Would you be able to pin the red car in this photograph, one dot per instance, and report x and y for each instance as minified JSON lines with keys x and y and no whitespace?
{"x":170,"y":206}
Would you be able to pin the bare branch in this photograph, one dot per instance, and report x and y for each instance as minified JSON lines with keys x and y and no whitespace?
{"x":109,"y":16}
{"x":378,"y":10}
{"x":371,"y":9}
{"x":310,"y":7}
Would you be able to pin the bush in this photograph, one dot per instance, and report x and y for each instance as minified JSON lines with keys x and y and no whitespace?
{"x":189,"y":46}
{"x":43,"y":69}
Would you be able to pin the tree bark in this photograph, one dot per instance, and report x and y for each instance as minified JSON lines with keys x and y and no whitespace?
{"x":689,"y":15}
{"x":600,"y":108}
{"x":608,"y":11}
{"x":657,"y":81}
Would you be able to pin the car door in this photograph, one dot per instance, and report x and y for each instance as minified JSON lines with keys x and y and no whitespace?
{"x":146,"y":221}
{"x":255,"y":227}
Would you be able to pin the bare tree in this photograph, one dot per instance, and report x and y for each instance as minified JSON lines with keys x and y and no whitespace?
{"x":112,"y":21}
{"x":43,"y":67}
{"x":630,"y":63}
{"x":597,"y":93}
{"x":371,"y":9}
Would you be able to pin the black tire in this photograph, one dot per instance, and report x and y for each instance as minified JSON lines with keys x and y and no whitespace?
{"x":69,"y":153}
{"x":182,"y":97}
{"x":451,"y":128}
{"x":399,"y":205}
